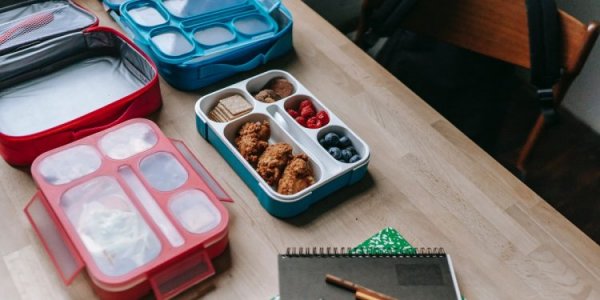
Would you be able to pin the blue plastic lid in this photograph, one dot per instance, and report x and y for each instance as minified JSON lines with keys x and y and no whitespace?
{"x":192,"y":8}
{"x":214,"y":35}
{"x":172,"y":42}
{"x":147,"y":16}
{"x":252,"y":25}
{"x":114,"y":3}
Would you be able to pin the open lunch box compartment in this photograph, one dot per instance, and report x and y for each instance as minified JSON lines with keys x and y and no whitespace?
{"x":133,"y":207}
{"x":329,"y":174}
{"x":62,"y":78}
{"x":198,"y":42}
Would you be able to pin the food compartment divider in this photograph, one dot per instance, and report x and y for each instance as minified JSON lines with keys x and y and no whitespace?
{"x":150,"y":204}
{"x":306,"y":139}
{"x":217,"y":17}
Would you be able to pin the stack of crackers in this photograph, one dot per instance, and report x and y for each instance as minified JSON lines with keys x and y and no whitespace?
{"x":230,"y":108}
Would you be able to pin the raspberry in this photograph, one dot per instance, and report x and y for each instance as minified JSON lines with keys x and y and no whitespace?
{"x":313,"y":123}
{"x":306,"y":103}
{"x":293,"y":113}
{"x":323,"y":117}
{"x":301,"y":120}
{"x":307,"y":112}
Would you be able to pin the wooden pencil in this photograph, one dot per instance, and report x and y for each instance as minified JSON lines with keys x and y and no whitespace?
{"x":361,"y":292}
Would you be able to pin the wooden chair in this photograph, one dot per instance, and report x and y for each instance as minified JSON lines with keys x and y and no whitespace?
{"x":498,"y":28}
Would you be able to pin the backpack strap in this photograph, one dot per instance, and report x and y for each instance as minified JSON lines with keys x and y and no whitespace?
{"x":544,"y":45}
{"x":385,"y":18}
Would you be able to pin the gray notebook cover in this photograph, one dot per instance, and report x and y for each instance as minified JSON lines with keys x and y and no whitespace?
{"x":404,"y":277}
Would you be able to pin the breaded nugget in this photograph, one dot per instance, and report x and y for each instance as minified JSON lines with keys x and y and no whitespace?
{"x":297,"y":176}
{"x":252,"y":140}
{"x":273,"y":161}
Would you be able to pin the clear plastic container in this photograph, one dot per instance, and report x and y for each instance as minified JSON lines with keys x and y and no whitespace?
{"x":163,"y":172}
{"x":194,"y":211}
{"x":68,"y":165}
{"x":252,"y":25}
{"x":114,"y":233}
{"x":147,"y":16}
{"x":214,"y":36}
{"x":149,"y":222}
{"x":192,"y":8}
{"x":128,"y":141}
{"x":172,"y":42}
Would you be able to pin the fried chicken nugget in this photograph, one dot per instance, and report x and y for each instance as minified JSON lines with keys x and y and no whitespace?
{"x":273,"y":161}
{"x":261,"y":129}
{"x":252,"y":140}
{"x":297,"y":176}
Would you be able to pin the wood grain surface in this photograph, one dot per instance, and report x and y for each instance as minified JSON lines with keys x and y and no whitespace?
{"x":426,"y":179}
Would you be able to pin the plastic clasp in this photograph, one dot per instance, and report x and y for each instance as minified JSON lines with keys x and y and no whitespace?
{"x":180,"y":276}
{"x":270,"y":5}
{"x":65,"y":258}
{"x":202,"y":172}
{"x":546,"y":99}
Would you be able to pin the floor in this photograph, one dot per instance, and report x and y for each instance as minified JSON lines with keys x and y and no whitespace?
{"x":564,"y":167}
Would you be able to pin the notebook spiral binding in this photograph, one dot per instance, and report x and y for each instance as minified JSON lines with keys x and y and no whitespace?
{"x":362,"y":252}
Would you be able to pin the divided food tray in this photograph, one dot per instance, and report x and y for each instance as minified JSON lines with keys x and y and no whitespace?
{"x":195,"y":43}
{"x":134,"y":207}
{"x":329,"y":173}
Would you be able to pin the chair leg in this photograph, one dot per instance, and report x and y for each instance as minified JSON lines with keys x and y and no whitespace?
{"x":526,"y":150}
{"x":362,"y":23}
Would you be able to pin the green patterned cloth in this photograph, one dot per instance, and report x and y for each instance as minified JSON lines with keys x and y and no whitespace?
{"x":387,"y":241}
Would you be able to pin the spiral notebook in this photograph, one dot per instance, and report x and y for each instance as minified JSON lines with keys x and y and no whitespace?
{"x":425,"y":274}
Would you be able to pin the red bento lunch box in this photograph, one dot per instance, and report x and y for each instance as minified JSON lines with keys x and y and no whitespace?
{"x":62,"y":77}
{"x":133,"y":207}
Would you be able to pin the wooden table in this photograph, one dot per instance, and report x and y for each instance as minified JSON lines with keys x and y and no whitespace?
{"x":426,"y":179}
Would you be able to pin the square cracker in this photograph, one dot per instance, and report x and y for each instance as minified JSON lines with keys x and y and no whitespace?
{"x":236,"y":105}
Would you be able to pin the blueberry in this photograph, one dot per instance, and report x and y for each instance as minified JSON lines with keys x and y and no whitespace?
{"x":354,"y":158}
{"x":322,"y":142}
{"x":332,"y":139}
{"x":335,"y":152}
{"x":345,"y":141}
{"x":351,"y":149}
{"x":346,"y":155}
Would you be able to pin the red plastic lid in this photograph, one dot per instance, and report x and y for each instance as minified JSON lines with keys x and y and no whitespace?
{"x":132,"y":202}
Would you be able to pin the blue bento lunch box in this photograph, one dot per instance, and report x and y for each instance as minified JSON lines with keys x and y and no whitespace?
{"x":329,"y":174}
{"x":197,"y":42}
